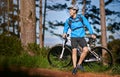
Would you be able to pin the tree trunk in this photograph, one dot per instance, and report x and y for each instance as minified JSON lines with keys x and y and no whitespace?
{"x":18,"y":26}
{"x":41,"y":26}
{"x":8,"y":22}
{"x":28,"y":20}
{"x":103,"y":23}
{"x":73,"y":2}
{"x":44,"y":21}
{"x":83,"y":8}
{"x":103,"y":27}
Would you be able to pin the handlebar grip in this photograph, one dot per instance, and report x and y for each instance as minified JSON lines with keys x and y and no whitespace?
{"x":88,"y":36}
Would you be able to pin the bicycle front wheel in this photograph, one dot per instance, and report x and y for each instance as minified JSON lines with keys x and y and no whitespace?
{"x":54,"y":56}
{"x":104,"y":61}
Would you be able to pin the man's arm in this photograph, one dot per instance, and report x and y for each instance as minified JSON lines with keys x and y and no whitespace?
{"x":87,"y":24}
{"x":65,"y":30}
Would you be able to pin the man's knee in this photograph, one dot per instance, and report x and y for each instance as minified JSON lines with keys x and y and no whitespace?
{"x":85,"y":50}
{"x":74,"y":51}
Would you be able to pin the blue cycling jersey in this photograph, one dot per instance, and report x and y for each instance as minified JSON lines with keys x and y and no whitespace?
{"x":75,"y":23}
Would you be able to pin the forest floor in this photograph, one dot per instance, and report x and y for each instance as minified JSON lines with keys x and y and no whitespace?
{"x":40,"y":72}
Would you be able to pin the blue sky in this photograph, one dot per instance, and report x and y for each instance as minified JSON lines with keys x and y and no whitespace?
{"x":51,"y":40}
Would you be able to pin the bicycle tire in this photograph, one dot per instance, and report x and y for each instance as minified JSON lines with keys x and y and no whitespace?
{"x":54,"y":54}
{"x":106,"y":61}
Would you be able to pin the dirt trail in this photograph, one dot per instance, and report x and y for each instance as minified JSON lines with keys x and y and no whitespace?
{"x":39,"y":72}
{"x":51,"y":73}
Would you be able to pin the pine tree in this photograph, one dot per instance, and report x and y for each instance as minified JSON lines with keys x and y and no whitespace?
{"x":28,"y":20}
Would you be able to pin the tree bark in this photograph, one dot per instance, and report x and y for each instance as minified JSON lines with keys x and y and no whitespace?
{"x":103,"y":30}
{"x":28,"y":20}
{"x":44,"y":21}
{"x":84,"y":6}
{"x":8,"y":9}
{"x":18,"y":26}
{"x":41,"y":26}
{"x":73,"y":2}
{"x":103,"y":24}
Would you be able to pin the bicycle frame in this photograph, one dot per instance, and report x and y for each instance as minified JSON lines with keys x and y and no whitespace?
{"x":62,"y":52}
{"x":95,"y":55}
{"x":89,"y":48}
{"x":60,"y":55}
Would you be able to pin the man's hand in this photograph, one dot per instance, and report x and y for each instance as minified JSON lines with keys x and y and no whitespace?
{"x":64,"y":35}
{"x":93,"y":36}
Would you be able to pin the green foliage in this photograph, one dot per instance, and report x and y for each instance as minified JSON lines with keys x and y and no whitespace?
{"x":40,"y":55}
{"x":10,"y":53}
{"x":10,"y":45}
{"x":24,"y":60}
{"x":116,"y":69}
{"x":33,"y":47}
{"x":40,"y":61}
{"x":114,"y":46}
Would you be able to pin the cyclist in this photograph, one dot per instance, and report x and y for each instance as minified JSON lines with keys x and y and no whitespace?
{"x":76,"y":23}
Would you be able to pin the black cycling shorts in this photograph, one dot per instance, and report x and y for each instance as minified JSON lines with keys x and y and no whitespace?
{"x":78,"y":41}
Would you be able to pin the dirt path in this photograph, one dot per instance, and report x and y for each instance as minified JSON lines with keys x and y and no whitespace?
{"x":38,"y":72}
{"x":51,"y":73}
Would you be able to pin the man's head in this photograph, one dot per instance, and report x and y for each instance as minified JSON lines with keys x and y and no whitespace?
{"x":73,"y":9}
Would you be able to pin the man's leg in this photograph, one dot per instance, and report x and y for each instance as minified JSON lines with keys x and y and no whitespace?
{"x":74,"y":60}
{"x":74,"y":57}
{"x":74,"y":44}
{"x":83,"y":55}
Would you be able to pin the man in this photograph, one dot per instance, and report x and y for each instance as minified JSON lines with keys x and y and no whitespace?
{"x":76,"y":23}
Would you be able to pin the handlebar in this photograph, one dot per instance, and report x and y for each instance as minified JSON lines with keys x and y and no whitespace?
{"x":87,"y":36}
{"x":90,"y":41}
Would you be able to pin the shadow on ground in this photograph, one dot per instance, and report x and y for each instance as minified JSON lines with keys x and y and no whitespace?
{"x":7,"y":72}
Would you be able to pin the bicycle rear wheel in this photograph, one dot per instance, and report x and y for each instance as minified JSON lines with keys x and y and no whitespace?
{"x":54,"y":56}
{"x":104,"y":62}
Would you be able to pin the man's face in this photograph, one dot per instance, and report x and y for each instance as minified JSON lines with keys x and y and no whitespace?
{"x":72,"y":12}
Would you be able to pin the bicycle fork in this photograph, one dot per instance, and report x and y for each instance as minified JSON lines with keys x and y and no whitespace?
{"x":63,"y":48}
{"x":61,"y":55}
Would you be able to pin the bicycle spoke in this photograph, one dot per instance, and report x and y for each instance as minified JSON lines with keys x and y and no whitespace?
{"x":54,"y":56}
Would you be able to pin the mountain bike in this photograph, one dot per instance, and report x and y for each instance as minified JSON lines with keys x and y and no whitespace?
{"x":98,"y":57}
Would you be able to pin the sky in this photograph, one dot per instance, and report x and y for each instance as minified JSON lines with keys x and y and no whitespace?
{"x":50,"y":39}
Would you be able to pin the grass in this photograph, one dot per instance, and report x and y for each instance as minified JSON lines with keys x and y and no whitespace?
{"x":24,"y":60}
{"x":40,"y":61}
{"x":116,"y":69}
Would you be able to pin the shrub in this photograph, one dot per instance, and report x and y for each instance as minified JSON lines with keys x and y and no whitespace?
{"x":10,"y":45}
{"x":116,"y":69}
{"x":114,"y":46}
{"x":33,"y":47}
